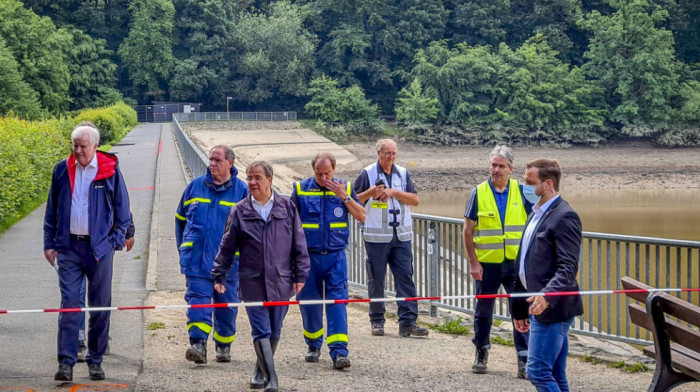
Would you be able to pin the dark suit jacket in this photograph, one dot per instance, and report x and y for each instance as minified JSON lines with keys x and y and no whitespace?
{"x":551,"y":264}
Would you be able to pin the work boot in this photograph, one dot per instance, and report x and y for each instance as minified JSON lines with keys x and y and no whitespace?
{"x":96,"y":372}
{"x":522,"y":366}
{"x":258,"y":380}
{"x":223,"y":353}
{"x":412,"y":329}
{"x":377,"y":329}
{"x":481,"y":360}
{"x":341,"y":362}
{"x":82,"y":350}
{"x":64,"y":373}
{"x":266,"y":362}
{"x":313,"y":354}
{"x":197,"y":353}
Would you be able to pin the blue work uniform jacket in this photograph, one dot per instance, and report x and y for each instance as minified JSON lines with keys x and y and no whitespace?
{"x":201,"y":218}
{"x":109,"y":215}
{"x":324,"y":216}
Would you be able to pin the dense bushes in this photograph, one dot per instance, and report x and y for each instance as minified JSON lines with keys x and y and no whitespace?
{"x":30,"y":149}
{"x":28,"y":153}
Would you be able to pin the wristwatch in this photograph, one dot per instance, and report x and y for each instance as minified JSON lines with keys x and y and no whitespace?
{"x":347,"y":199}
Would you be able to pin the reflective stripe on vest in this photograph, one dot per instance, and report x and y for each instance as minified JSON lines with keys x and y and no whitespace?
{"x":380,"y":214}
{"x":323,"y":218}
{"x":492,"y":243}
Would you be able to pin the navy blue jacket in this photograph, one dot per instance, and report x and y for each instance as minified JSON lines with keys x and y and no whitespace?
{"x":200,"y":221}
{"x":109,"y":207}
{"x":551,"y":264}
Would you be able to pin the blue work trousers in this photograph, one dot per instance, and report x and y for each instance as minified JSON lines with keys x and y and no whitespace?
{"x":73,"y":266}
{"x":494,"y":276}
{"x":546,"y":364}
{"x":327,"y":271}
{"x":398,"y":256}
{"x":199,"y":320}
{"x":266,"y":321}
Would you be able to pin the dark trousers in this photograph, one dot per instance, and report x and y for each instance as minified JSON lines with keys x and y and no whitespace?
{"x":398,"y":256}
{"x":73,"y":266}
{"x":494,"y":276}
{"x":199,"y":320}
{"x":266,"y":321}
{"x":330,"y":272}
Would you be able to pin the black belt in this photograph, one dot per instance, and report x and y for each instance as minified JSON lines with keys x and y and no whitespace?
{"x":79,"y":237}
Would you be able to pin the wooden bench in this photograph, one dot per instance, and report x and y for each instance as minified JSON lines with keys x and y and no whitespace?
{"x":676,"y":346}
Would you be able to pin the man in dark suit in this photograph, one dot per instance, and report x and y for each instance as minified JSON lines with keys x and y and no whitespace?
{"x":548,"y":262}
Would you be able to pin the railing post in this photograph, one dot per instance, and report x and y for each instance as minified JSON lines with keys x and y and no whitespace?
{"x":433,"y":260}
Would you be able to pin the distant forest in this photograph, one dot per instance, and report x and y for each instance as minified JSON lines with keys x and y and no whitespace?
{"x":452,"y":71}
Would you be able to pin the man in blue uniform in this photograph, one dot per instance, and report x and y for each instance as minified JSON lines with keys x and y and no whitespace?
{"x":199,"y":226}
{"x":324,"y":202}
{"x":388,"y":193}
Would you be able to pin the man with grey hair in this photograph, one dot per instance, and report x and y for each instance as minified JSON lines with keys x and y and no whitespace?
{"x":86,"y":219}
{"x":388,"y":193}
{"x":494,"y":220}
{"x":199,"y":225}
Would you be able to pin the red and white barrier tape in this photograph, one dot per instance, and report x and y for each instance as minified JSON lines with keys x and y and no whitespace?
{"x":347,"y":301}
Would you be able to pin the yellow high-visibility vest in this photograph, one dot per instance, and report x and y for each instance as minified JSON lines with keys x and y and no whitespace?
{"x":492,"y":242}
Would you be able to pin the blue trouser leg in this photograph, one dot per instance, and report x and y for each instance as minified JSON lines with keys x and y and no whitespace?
{"x":401,"y":265}
{"x":225,"y":318}
{"x":200,"y":320}
{"x":99,"y":294}
{"x":266,"y":321}
{"x":546,"y":362}
{"x":336,"y":280}
{"x":312,"y":315}
{"x":494,"y":276}
{"x":83,"y":293}
{"x":70,"y":274}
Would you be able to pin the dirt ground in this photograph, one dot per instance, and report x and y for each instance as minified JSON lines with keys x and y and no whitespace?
{"x":636,"y":165}
{"x":440,"y":362}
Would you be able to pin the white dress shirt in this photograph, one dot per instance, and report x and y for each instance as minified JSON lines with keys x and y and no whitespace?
{"x":263,"y":209}
{"x":538,"y":211}
{"x":80,"y":202}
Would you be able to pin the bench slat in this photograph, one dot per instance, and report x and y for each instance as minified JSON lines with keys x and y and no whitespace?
{"x":674,"y":306}
{"x":681,"y":361}
{"x":676,"y":332}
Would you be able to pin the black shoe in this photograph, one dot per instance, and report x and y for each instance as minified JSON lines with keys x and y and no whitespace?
{"x":522,"y":367}
{"x":82,"y":350}
{"x":266,"y":362}
{"x":377,"y":329}
{"x":223,"y":353}
{"x":197,"y":353}
{"x":313,"y":354}
{"x":481,"y":360}
{"x":258,"y":380}
{"x":341,"y":362}
{"x":412,"y":329}
{"x":96,"y":372}
{"x":64,"y":373}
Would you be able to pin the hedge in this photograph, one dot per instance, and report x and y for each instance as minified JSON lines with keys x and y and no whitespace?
{"x":113,"y":121}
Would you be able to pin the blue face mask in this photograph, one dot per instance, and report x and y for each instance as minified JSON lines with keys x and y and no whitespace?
{"x":529,"y":191}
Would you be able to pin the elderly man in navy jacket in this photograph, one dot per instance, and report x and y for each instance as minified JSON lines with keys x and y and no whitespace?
{"x":548,"y":262}
{"x":87,"y":215}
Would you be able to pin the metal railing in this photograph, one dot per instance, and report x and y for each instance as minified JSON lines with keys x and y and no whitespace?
{"x":441,"y":266}
{"x":235,"y":116}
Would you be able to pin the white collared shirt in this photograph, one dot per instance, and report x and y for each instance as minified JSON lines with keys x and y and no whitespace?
{"x":537,"y":211}
{"x":263,"y":209}
{"x":80,"y":201}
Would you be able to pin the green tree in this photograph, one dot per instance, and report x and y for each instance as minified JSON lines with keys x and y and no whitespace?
{"x":413,"y":107}
{"x":335,"y":105}
{"x":15,"y":94}
{"x":40,"y":50}
{"x":274,"y":55}
{"x":147,"y":52}
{"x":631,"y":56}
{"x":93,"y":81}
{"x":479,"y":22}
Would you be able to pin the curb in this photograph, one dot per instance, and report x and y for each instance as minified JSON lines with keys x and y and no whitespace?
{"x":152,"y":269}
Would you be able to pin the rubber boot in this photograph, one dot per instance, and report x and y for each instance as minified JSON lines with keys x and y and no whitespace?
{"x":259,"y":379}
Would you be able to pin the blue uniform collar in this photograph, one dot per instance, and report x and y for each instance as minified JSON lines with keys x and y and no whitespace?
{"x":209,"y":180}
